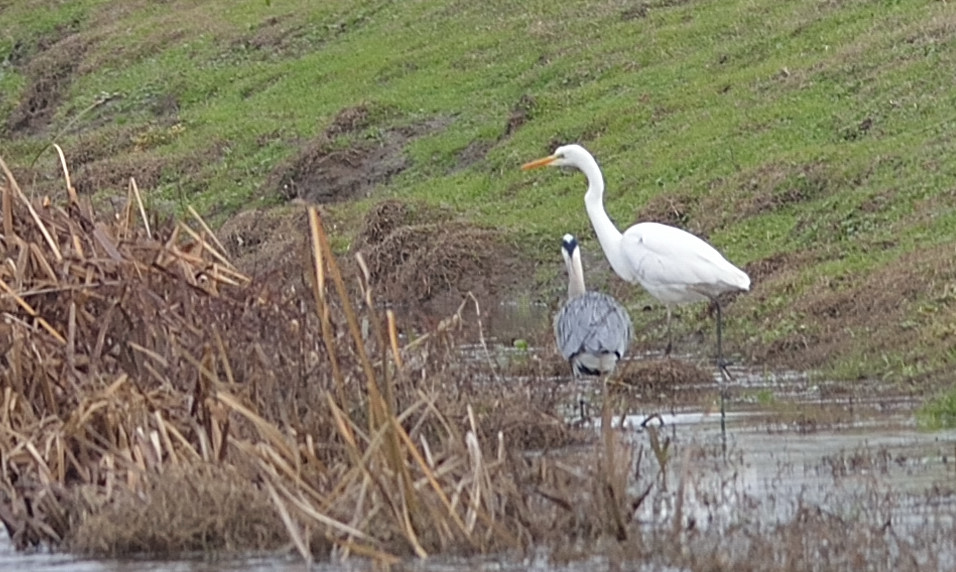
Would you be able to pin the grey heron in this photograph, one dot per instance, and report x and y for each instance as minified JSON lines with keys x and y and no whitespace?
{"x":592,"y":329}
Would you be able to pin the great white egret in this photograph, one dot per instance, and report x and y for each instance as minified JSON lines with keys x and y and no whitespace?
{"x":673,"y":265}
{"x":592,"y":330}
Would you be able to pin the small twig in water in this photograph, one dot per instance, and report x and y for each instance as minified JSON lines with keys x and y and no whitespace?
{"x":481,"y":338}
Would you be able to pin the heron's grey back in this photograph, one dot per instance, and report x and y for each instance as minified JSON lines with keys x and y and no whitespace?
{"x":593,"y":323}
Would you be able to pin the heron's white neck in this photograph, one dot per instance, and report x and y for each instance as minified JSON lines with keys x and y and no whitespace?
{"x":575,"y":275}
{"x":607,"y":233}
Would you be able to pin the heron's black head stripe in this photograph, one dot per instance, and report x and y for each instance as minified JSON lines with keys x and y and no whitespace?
{"x":569,"y":244}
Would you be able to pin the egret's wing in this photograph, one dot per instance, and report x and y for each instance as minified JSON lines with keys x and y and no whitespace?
{"x":666,"y":256}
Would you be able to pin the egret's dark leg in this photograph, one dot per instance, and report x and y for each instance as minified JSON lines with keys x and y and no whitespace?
{"x":583,"y":404}
{"x":720,"y":351}
{"x":670,"y":338}
{"x":722,"y":366}
{"x":606,"y":417}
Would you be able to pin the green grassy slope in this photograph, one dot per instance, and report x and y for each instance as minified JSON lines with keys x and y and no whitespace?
{"x":810,"y":141}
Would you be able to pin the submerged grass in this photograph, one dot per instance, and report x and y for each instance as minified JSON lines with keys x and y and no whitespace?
{"x":939,"y":412}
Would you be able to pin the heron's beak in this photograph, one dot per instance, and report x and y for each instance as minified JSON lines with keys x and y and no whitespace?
{"x":543,"y":162}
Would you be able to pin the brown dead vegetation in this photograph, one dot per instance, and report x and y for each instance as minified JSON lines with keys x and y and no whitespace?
{"x":668,"y":208}
{"x":114,"y":173}
{"x":274,"y":36}
{"x":271,"y":244}
{"x":50,"y":73}
{"x":324,"y":171}
{"x":773,"y":187}
{"x":152,"y":394}
{"x":177,"y":516}
{"x":777,"y":265}
{"x":658,"y":375}
{"x":350,"y":120}
{"x":415,"y":254}
{"x":650,"y":385}
{"x":108,"y":141}
{"x":419,"y":259}
{"x":321,"y":173}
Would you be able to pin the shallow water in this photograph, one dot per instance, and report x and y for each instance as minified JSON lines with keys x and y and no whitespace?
{"x":862,"y":460}
{"x":831,"y":469}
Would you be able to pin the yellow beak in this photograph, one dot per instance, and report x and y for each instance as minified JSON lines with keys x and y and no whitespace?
{"x":543,"y":162}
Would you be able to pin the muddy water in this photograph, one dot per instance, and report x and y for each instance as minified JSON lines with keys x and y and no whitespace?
{"x":792,"y":444}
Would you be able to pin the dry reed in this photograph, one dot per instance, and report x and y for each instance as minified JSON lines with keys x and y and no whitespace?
{"x":157,"y":400}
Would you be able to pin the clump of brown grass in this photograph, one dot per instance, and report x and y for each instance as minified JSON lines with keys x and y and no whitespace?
{"x":419,"y":252}
{"x":663,"y":382}
{"x":176,"y":516}
{"x":660,"y":373}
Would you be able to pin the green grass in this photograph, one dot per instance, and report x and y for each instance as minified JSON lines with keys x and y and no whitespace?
{"x":939,"y":412}
{"x":847,"y":105}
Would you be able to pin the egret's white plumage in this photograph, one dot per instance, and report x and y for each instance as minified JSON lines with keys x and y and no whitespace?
{"x":592,"y":330}
{"x":673,"y":265}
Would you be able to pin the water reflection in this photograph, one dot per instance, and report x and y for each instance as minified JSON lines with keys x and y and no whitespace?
{"x":884,"y":466}
{"x":499,"y":325}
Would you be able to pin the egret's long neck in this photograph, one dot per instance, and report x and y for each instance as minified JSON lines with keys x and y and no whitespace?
{"x":575,"y":275}
{"x":607,"y":233}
